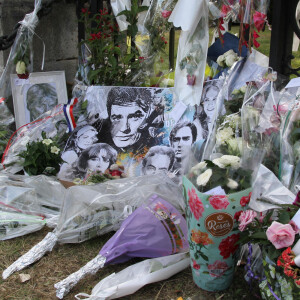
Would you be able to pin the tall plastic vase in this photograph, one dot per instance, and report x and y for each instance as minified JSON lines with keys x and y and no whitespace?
{"x":213,"y":232}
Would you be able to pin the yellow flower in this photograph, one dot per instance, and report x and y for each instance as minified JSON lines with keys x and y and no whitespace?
{"x":47,"y":142}
{"x":20,"y":67}
{"x":54,"y":150}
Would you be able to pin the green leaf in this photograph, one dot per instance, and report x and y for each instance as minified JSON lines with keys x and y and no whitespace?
{"x":203,"y":256}
{"x":284,"y":217}
{"x":259,"y":235}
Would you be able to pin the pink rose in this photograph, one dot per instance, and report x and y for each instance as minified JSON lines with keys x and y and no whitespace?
{"x":166,"y":13}
{"x":246,"y":218}
{"x":281,"y":235}
{"x":218,"y":201}
{"x":196,"y":206}
{"x":217,"y":269}
{"x":294,"y":226}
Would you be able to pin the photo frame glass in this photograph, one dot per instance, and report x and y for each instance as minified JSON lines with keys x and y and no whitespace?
{"x":38,"y":94}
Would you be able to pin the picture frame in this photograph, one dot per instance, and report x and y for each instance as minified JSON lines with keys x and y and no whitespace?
{"x":37,"y":94}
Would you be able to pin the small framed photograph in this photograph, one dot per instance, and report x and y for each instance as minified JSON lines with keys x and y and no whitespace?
{"x":37,"y":94}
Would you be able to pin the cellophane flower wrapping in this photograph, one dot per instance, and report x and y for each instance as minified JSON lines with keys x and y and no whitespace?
{"x":152,"y":43}
{"x":213,"y":232}
{"x":191,"y":60}
{"x":289,"y":163}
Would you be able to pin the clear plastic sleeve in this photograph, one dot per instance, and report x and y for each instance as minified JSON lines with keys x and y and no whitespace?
{"x":289,"y":164}
{"x":90,"y":211}
{"x":191,"y":58}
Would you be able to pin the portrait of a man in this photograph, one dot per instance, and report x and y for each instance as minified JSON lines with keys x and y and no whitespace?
{"x":158,"y":159}
{"x":40,"y":98}
{"x":182,"y":136}
{"x":131,"y":118}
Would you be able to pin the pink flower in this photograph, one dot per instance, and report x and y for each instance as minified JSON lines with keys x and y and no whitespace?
{"x":245,"y":200}
{"x":225,"y":10}
{"x":281,"y":235}
{"x":217,"y":269}
{"x":195,"y":265}
{"x":218,"y":201}
{"x":246,"y":218}
{"x":259,"y":20}
{"x":166,"y":13}
{"x":294,"y":226}
{"x":196,"y":206}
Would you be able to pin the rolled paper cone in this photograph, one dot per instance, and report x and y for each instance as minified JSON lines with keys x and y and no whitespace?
{"x":296,"y":248}
{"x":297,"y":260}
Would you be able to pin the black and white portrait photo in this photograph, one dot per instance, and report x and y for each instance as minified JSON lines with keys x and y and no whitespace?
{"x":39,"y":93}
{"x":81,"y":138}
{"x":133,"y":115}
{"x":205,"y":112}
{"x":39,"y":99}
{"x":182,"y":136}
{"x":158,"y":159}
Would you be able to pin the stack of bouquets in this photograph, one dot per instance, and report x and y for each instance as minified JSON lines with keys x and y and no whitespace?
{"x":277,"y":234}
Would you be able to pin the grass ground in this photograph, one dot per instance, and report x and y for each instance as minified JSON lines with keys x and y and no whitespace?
{"x":65,"y":259}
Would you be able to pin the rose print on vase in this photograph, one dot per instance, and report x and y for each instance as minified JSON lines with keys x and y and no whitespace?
{"x":228,"y":246}
{"x":217,"y":269}
{"x":196,"y":206}
{"x":245,"y":200}
{"x":218,"y":201}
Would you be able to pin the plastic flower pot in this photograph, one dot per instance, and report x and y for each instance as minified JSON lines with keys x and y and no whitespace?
{"x":213,"y":232}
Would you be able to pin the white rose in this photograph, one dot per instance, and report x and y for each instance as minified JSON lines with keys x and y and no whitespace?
{"x":232,"y":184}
{"x":203,"y":178}
{"x":54,"y":150}
{"x":221,"y":60}
{"x":202,"y":165}
{"x":234,"y":121}
{"x":230,"y":160}
{"x":114,"y":167}
{"x":167,"y":82}
{"x":217,"y":162}
{"x":230,"y":60}
{"x":20,"y":67}
{"x":47,"y":142}
{"x":229,"y":52}
{"x":223,"y":135}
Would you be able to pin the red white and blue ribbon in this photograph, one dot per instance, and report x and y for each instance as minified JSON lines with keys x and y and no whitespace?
{"x":68,"y":111}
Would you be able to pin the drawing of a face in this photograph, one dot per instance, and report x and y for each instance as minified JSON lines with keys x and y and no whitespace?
{"x":209,"y":101}
{"x":86,"y":139}
{"x":100,"y":162}
{"x":156,"y":163}
{"x":181,"y":141}
{"x":125,"y":121}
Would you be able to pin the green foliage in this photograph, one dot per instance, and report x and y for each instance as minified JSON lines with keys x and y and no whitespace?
{"x":42,"y":157}
{"x":114,"y":57}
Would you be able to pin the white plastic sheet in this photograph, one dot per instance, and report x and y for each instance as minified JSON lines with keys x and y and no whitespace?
{"x":131,"y":279}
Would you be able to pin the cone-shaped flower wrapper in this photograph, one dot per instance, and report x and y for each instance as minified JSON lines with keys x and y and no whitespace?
{"x":155,"y":229}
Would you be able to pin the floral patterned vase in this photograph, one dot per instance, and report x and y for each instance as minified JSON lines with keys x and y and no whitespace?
{"x":213,"y":231}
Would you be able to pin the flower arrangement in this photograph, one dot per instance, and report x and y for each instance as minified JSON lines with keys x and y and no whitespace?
{"x":42,"y":157}
{"x":224,"y":172}
{"x":227,"y":59}
{"x":278,"y":236}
